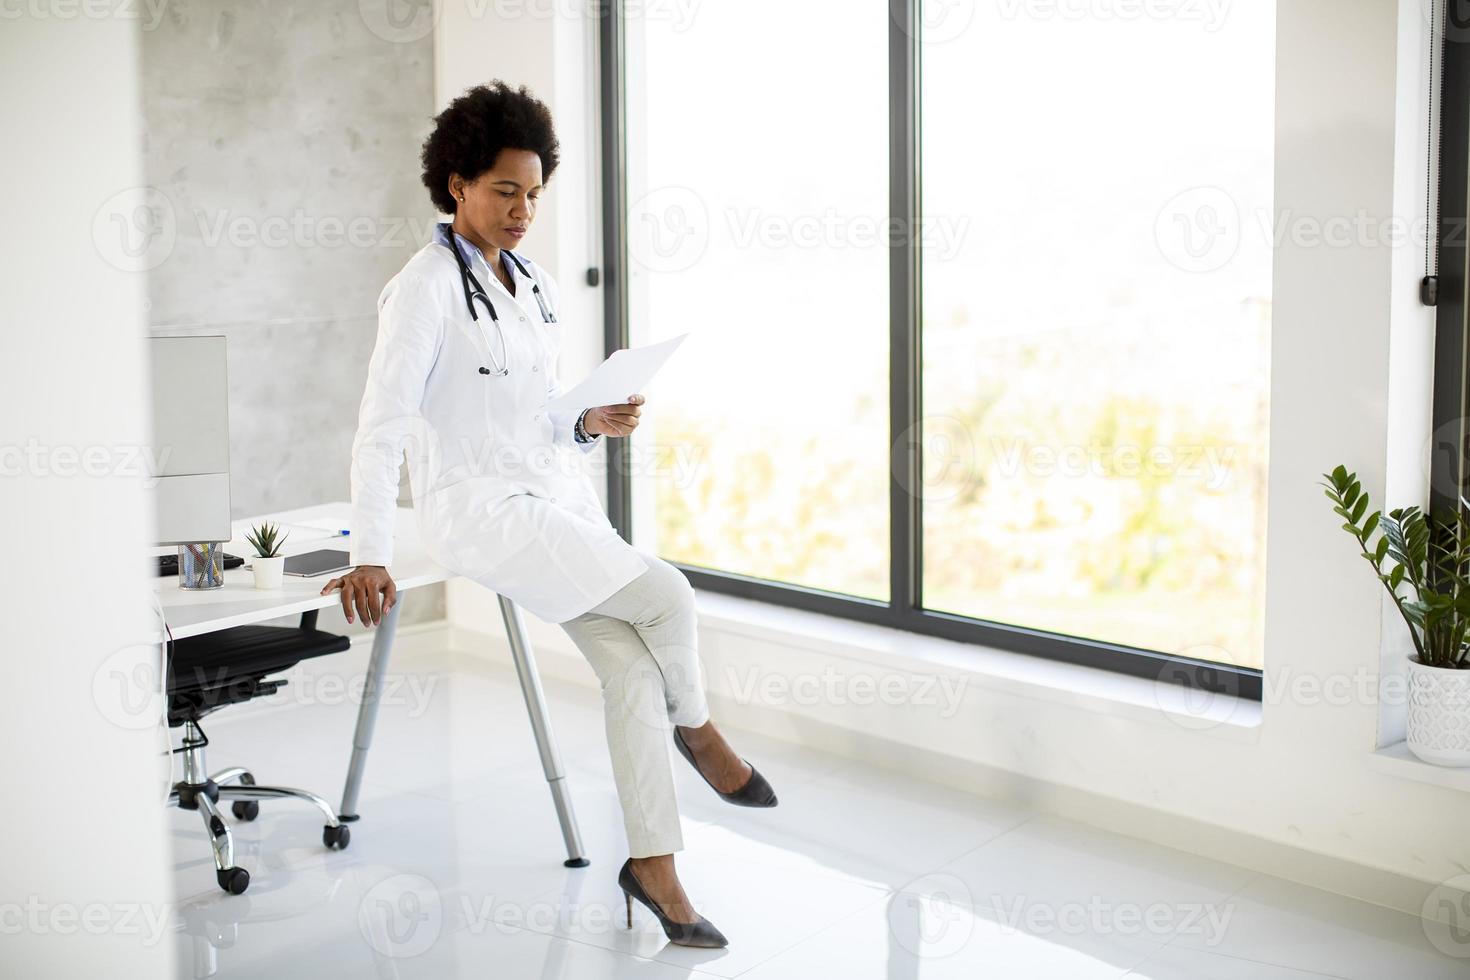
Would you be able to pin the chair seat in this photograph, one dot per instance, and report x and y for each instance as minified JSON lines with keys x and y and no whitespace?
{"x":215,"y":659}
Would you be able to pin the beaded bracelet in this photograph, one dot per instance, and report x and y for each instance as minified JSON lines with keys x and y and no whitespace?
{"x":580,"y":430}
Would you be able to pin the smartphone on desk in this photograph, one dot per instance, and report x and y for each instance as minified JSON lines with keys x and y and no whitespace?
{"x":314,"y":563}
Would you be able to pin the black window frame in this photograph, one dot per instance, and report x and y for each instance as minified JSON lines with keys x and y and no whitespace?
{"x":1449,"y":457}
{"x":903,"y":610}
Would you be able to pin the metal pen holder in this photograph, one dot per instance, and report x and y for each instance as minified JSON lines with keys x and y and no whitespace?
{"x":202,"y":565}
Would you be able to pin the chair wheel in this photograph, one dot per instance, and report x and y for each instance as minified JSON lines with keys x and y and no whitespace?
{"x":233,"y":880}
{"x":245,"y":809}
{"x":337,"y":837}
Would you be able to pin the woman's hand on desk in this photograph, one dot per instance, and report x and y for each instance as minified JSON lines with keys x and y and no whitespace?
{"x":614,"y":420}
{"x":368,"y":587}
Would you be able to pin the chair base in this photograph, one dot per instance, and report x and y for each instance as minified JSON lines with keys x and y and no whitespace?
{"x":197,"y":791}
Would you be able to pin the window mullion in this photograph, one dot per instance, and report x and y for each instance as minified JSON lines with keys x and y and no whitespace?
{"x":905,"y":512}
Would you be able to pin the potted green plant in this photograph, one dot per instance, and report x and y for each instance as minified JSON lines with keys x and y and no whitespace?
{"x":268,"y":564}
{"x":1431,"y":554}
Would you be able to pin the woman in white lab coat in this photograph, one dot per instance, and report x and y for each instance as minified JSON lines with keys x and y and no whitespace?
{"x":463,"y":367}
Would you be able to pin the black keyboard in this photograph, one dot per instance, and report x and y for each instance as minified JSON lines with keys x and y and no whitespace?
{"x":169,"y":564}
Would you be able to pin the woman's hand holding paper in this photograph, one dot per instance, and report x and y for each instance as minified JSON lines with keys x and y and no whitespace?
{"x":614,"y":420}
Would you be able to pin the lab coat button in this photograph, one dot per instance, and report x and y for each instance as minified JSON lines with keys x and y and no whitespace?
{"x":535,"y":418}
{"x":535,"y":367}
{"x":553,"y":500}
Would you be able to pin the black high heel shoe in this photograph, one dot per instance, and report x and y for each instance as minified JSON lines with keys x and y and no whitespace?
{"x":755,"y":792}
{"x":702,"y":933}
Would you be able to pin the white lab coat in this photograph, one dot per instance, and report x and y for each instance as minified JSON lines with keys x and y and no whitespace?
{"x":496,"y":489}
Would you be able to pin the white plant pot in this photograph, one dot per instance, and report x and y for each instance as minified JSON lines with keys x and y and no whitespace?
{"x":1439,"y":714}
{"x":268,"y":571}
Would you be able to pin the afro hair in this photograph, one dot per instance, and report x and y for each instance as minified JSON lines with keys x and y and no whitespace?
{"x":471,"y":132}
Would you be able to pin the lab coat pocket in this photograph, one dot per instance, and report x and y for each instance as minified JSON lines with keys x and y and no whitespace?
{"x":475,"y":530}
{"x":550,"y":335}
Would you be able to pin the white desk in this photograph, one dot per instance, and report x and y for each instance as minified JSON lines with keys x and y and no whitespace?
{"x":238,"y":602}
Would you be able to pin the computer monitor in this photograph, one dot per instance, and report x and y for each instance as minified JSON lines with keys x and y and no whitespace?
{"x":189,"y":449}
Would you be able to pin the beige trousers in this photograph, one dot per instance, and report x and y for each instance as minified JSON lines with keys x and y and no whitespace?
{"x":642,"y":644}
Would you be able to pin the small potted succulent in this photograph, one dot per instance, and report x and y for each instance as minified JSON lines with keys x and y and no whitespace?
{"x":268,"y":564}
{"x":1431,"y":554}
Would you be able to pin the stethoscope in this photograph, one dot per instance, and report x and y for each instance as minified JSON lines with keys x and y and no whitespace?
{"x":467,"y":278}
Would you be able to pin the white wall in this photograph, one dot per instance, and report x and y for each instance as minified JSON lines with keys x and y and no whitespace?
{"x":86,"y":869}
{"x":1350,"y":370}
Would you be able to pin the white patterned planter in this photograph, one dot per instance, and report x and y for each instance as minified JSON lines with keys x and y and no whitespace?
{"x":1439,"y":714}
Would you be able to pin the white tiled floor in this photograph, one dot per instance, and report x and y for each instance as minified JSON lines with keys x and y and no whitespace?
{"x":455,"y":869}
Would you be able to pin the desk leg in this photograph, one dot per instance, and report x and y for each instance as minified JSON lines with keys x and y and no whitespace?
{"x":367,"y":712}
{"x":525,"y":661}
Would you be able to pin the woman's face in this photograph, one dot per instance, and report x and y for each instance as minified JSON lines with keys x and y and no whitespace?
{"x":497,"y":207}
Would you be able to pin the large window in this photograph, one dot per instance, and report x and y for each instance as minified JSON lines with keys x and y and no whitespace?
{"x":754,"y":154}
{"x":978,"y":302}
{"x":1096,"y":321}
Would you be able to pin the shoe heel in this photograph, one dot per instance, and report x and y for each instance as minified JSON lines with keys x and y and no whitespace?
{"x":702,"y":933}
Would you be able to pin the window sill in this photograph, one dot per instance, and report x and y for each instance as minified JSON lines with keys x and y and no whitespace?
{"x":1397,"y":760}
{"x":999,"y":671}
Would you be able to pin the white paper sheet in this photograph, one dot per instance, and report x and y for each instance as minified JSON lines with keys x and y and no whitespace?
{"x":624,"y":373}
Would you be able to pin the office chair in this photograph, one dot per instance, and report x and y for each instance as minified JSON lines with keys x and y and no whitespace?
{"x":229,"y":666}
